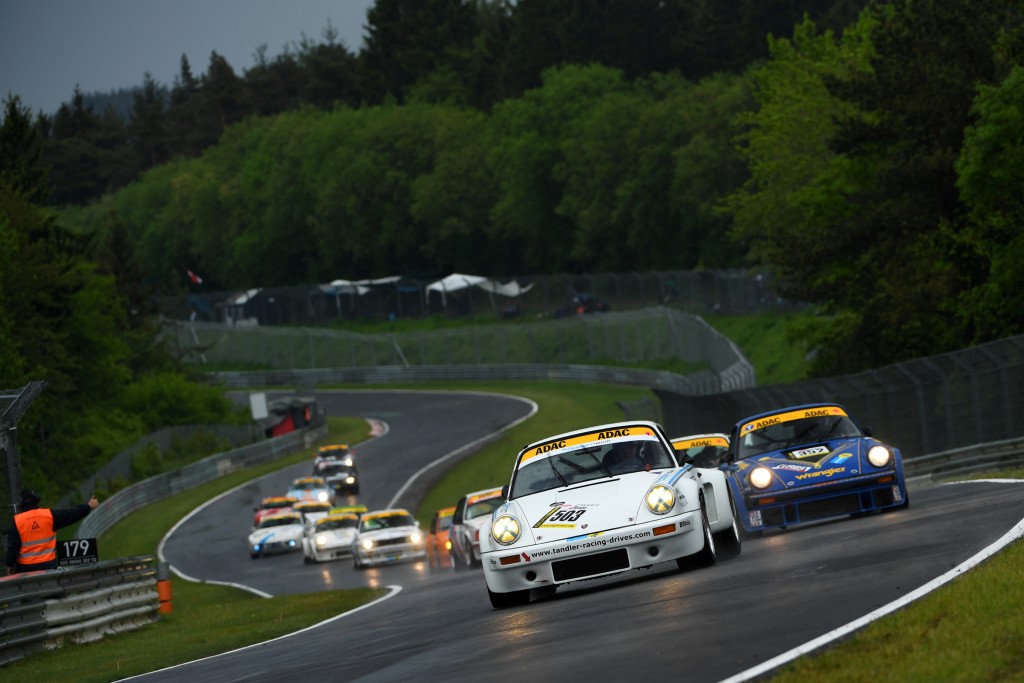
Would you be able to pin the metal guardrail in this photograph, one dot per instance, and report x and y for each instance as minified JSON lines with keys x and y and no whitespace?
{"x":148,"y":491}
{"x":44,"y":609}
{"x":997,"y":455}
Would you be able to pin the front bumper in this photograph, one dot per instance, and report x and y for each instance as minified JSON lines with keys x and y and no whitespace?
{"x":816,"y":503}
{"x":593,"y":555}
{"x":385,"y":554}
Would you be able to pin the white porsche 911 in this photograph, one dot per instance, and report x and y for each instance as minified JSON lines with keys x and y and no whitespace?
{"x":599,"y":501}
{"x":280,"y":533}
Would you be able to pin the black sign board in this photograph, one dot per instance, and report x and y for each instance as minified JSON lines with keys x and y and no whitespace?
{"x":77,"y":551}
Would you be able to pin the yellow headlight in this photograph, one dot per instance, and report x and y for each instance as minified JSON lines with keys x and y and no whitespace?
{"x":367,"y":544}
{"x":760,"y":477}
{"x":660,"y":499}
{"x":505,"y":530}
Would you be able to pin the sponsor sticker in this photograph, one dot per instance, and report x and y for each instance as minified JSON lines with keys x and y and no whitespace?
{"x":770,"y":420}
{"x":809,"y":452}
{"x":600,"y":436}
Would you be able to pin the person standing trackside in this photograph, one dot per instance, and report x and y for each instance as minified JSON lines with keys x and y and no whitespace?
{"x":32,"y":543}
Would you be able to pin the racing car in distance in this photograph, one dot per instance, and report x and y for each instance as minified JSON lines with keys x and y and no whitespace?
{"x":472,"y":513}
{"x":600,"y":501}
{"x":702,"y":450}
{"x":335,"y":452}
{"x":329,"y":538}
{"x":311,"y":510}
{"x":387,"y":536}
{"x":342,"y":478}
{"x":439,"y":543}
{"x":311,"y":488}
{"x":808,"y":463}
{"x":272,"y":505}
{"x":280,"y":533}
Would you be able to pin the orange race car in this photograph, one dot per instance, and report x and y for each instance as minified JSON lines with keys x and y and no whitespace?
{"x":438,"y":544}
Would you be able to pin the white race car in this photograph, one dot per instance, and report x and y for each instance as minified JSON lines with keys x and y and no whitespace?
{"x":472,"y":517}
{"x":281,"y":533}
{"x":387,"y":536}
{"x":706,"y":451}
{"x":329,"y":538}
{"x":599,"y":501}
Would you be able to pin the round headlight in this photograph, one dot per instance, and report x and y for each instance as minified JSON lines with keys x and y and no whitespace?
{"x":660,"y":499}
{"x":350,"y":480}
{"x":415,"y":537}
{"x":367,"y":544}
{"x":879,"y":456}
{"x":760,"y":477}
{"x":323,"y":496}
{"x":321,"y":539}
{"x":505,"y":530}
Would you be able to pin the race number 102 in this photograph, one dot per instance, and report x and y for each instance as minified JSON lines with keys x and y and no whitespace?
{"x":77,"y":551}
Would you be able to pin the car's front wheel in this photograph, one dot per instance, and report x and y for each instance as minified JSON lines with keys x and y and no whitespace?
{"x":729,"y":542}
{"x":513,"y":599}
{"x":707,"y":555}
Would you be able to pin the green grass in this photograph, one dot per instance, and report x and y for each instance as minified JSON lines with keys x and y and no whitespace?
{"x":770,"y":341}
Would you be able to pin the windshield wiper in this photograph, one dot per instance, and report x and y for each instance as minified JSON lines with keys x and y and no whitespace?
{"x":557,"y":473}
{"x":600,"y":464}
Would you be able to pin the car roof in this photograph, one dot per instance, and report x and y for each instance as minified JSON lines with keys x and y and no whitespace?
{"x":482,"y":494}
{"x":336,"y":518}
{"x":279,"y":499}
{"x":391,"y":512}
{"x":285,"y":515}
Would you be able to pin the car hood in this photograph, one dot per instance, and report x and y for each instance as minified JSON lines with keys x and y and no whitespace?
{"x":342,"y":535}
{"x":588,"y":508}
{"x":811,"y":464}
{"x":276,"y":534}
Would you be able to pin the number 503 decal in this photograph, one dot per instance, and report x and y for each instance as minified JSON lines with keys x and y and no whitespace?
{"x":559,"y":515}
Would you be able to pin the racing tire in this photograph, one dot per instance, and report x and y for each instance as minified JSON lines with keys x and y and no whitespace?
{"x":729,"y":543}
{"x":707,"y":555}
{"x":544,"y":592}
{"x":504,"y":600}
{"x":254,"y":556}
{"x":306,"y":560}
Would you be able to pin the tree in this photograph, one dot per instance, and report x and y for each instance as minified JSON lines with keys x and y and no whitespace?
{"x":147,"y":126}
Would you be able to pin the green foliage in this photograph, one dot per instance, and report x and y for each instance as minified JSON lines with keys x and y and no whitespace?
{"x":167,"y":399}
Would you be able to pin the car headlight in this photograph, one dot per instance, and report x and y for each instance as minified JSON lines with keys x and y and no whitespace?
{"x":323,"y":496}
{"x":350,"y":480}
{"x":760,"y":477}
{"x":367,"y":544}
{"x":660,"y":499}
{"x":348,"y":462}
{"x":879,"y":456}
{"x":415,"y":537}
{"x":505,"y":530}
{"x":321,"y":539}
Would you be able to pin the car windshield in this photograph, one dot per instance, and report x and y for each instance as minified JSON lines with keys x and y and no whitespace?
{"x":444,"y":523}
{"x":586,"y":464}
{"x":386,"y":522}
{"x":483,"y":508}
{"x":328,"y":469}
{"x":307,"y":485}
{"x":278,"y":521}
{"x":332,"y":524}
{"x":708,"y":457}
{"x":793,"y":433}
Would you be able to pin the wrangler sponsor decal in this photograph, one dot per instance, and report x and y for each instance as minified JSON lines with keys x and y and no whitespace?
{"x":549,"y":448}
{"x":769,"y":420}
{"x":823,"y":473}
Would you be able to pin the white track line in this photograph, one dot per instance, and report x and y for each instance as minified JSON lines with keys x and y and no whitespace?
{"x":1009,"y":537}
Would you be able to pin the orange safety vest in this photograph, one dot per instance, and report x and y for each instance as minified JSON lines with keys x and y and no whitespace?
{"x":38,"y":539}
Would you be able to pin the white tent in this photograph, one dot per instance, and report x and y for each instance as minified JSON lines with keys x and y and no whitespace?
{"x":458,"y":281}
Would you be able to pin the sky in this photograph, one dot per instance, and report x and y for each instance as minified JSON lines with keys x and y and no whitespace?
{"x":47,"y":47}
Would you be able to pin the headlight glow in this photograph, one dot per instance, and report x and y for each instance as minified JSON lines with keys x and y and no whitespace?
{"x":879,"y":456}
{"x":660,"y":499}
{"x":321,"y":539}
{"x":348,"y":461}
{"x":505,"y":530}
{"x":350,"y":480}
{"x":322,"y":496}
{"x":415,"y":537}
{"x":367,"y":544}
{"x":760,"y":477}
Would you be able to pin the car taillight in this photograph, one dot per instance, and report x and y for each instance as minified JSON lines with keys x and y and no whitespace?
{"x":476,"y":536}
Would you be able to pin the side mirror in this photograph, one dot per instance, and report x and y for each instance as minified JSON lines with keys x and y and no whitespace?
{"x":504,"y":491}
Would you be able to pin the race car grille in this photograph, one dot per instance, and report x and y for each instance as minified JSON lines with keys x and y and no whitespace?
{"x":590,"y":565}
{"x":392,"y":541}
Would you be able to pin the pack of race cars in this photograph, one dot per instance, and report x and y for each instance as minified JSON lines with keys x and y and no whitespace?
{"x":606,"y":499}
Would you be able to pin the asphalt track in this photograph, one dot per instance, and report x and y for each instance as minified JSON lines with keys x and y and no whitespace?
{"x":787,"y":588}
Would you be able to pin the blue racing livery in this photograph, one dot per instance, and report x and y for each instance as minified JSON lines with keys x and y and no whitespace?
{"x":808,"y":463}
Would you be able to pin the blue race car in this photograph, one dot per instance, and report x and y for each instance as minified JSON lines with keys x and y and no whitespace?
{"x":808,"y":463}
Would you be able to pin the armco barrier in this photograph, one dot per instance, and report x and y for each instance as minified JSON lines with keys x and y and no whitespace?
{"x":985,"y":457}
{"x":143,"y":493}
{"x":47,"y":608}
